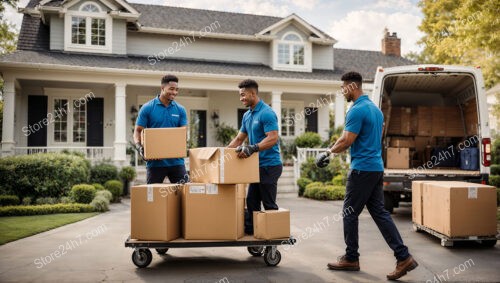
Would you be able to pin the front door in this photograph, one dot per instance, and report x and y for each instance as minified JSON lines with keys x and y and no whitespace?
{"x":198,"y":128}
{"x":311,"y":119}
{"x":95,"y":122}
{"x":37,"y":115}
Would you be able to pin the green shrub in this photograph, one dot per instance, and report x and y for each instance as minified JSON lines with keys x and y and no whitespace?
{"x":116,"y":188}
{"x":495,"y":152}
{"x":103,"y":172}
{"x":26,"y":201}
{"x":320,"y":194}
{"x":308,"y":140}
{"x":312,"y":188}
{"x":6,"y":200}
{"x":127,"y":173}
{"x":21,"y":210}
{"x":100,"y":203}
{"x":494,"y":181}
{"x":104,"y":193}
{"x":82,"y":193}
{"x":42,"y":175}
{"x":311,"y":171}
{"x":495,"y":169}
{"x":98,"y":187}
{"x":335,"y":192}
{"x":225,"y":133}
{"x":339,"y":180}
{"x":66,"y":200}
{"x":46,"y":200}
{"x":302,"y":183}
{"x":287,"y":149}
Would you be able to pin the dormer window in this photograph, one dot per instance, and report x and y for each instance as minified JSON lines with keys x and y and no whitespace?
{"x":88,"y":29}
{"x":292,"y":53}
{"x":291,"y":50}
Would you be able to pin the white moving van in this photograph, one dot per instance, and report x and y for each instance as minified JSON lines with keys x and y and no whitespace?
{"x":435,"y":126}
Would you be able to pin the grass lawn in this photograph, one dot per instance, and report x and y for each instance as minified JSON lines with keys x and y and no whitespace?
{"x":17,"y":227}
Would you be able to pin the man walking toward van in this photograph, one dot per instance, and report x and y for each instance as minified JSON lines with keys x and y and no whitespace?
{"x":162,"y":112}
{"x":260,"y":125}
{"x":363,"y":135}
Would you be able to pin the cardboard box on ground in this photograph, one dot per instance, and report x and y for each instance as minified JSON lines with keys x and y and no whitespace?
{"x":455,"y":209}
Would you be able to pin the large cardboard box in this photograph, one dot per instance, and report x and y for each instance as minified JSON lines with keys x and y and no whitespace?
{"x":454,"y":124}
{"x":408,"y":121}
{"x":422,"y":142}
{"x":438,"y":121}
{"x":271,"y":224}
{"x":394,"y":127}
{"x":471,"y":118}
{"x":460,"y":209}
{"x":219,"y":165}
{"x":155,"y":212}
{"x":213,"y":212}
{"x":424,"y":121}
{"x":161,"y":143}
{"x":402,"y":142}
{"x":398,"y":158}
{"x":417,"y":188}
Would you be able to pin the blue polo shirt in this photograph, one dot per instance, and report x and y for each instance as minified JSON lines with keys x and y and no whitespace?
{"x":154,"y":114}
{"x":366,"y":120}
{"x":256,"y":123}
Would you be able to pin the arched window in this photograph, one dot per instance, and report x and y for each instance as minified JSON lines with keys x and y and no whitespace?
{"x":89,"y":7}
{"x":291,"y":50}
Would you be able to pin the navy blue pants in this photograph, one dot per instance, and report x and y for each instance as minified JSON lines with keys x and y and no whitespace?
{"x":366,"y":188}
{"x":264,"y":192}
{"x":175,"y":174}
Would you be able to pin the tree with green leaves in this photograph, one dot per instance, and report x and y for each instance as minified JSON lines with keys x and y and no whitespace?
{"x":462,"y":33}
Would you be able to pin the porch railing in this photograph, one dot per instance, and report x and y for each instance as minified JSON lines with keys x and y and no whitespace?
{"x":93,"y":153}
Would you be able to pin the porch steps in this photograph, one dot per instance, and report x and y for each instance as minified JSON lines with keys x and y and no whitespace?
{"x":285,"y":183}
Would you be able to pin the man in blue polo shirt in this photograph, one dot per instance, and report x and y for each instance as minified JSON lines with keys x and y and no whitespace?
{"x":162,"y":112}
{"x":260,"y":125}
{"x":363,"y":134}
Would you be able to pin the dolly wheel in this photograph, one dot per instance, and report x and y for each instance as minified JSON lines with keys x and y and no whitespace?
{"x":272,"y":258}
{"x":142,"y":257}
{"x":162,"y":251}
{"x":256,"y":251}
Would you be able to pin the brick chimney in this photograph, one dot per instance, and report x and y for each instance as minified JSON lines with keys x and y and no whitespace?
{"x":391,"y":44}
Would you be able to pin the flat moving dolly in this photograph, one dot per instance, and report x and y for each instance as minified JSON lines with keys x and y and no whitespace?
{"x":486,"y":241}
{"x":142,"y":256}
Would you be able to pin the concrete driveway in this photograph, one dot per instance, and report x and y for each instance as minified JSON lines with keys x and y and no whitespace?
{"x":92,"y":250}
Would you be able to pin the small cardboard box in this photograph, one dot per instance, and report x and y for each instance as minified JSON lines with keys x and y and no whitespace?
{"x":213,"y":212}
{"x":161,"y":143}
{"x":219,"y":165}
{"x":460,"y":209}
{"x":271,"y":224}
{"x":408,"y":121}
{"x":402,"y":142}
{"x":398,"y":158}
{"x":438,"y":121}
{"x":155,"y":212}
{"x":424,"y":118}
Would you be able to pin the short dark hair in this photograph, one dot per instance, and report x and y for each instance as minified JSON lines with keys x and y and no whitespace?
{"x":352,"y":77}
{"x":249,"y":83}
{"x":169,"y":78}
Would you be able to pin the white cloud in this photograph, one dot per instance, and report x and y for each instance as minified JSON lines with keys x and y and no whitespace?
{"x":305,"y":4}
{"x":398,"y":5}
{"x":13,"y":16}
{"x":364,"y":30}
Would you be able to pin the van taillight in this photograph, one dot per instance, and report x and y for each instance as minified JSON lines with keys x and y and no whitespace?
{"x":430,"y":69}
{"x":486,"y":151}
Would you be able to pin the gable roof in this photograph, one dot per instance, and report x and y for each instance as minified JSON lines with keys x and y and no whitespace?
{"x":293,"y":17}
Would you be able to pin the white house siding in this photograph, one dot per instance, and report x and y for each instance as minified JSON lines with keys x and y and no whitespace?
{"x":56,"y":33}
{"x":322,"y":57}
{"x":119,"y":44}
{"x":157,"y":46}
{"x":309,"y":100}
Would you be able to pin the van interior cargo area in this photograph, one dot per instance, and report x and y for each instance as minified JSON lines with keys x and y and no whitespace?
{"x":431,"y":124}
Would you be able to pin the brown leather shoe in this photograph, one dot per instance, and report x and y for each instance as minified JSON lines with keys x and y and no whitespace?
{"x":402,"y":267}
{"x":344,"y":264}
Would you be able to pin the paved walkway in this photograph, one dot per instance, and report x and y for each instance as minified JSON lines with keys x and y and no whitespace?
{"x":92,"y":251}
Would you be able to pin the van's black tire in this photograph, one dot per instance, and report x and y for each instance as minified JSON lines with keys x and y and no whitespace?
{"x":389,"y":202}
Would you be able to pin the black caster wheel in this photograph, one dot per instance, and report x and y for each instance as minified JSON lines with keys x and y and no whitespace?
{"x":256,"y":251}
{"x":142,"y":257}
{"x":162,"y":251}
{"x":270,"y":258}
{"x":488,"y":243}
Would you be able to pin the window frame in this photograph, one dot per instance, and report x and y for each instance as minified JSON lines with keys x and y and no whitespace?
{"x":89,"y":16}
{"x":291,"y":66}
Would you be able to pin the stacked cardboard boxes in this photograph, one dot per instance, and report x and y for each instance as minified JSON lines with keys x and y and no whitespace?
{"x":424,"y":121}
{"x":455,"y":209}
{"x":471,"y":120}
{"x":398,"y":158}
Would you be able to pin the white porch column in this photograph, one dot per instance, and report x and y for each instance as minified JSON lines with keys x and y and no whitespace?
{"x":323,"y":117}
{"x":9,"y":98}
{"x":276,"y":105}
{"x":120,"y":144}
{"x":339,"y":111}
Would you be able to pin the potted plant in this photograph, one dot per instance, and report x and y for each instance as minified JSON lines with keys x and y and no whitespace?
{"x":127,"y":174}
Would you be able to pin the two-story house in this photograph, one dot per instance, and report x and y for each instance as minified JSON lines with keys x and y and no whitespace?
{"x":83,"y":68}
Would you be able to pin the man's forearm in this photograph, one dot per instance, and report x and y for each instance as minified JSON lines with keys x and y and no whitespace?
{"x":234,"y":143}
{"x":340,"y":146}
{"x":267,"y":143}
{"x":137,"y":137}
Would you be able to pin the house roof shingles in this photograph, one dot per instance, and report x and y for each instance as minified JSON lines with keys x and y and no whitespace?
{"x":33,"y":46}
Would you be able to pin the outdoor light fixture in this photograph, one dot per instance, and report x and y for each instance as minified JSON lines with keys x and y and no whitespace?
{"x":215,"y":118}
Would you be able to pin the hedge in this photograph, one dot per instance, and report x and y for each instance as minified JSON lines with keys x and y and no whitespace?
{"x":322,"y":192}
{"x":302,"y":183}
{"x":22,"y":210}
{"x":495,"y":169}
{"x":42,"y":175}
{"x":115,"y":187}
{"x":494,"y":181}
{"x":100,"y":203}
{"x":6,"y":200}
{"x":98,"y":187}
{"x":83,"y":193}
{"x":105,"y":193}
{"x":103,"y":172}
{"x":308,"y":140}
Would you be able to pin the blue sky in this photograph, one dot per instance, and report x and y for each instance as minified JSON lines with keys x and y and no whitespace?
{"x":356,"y":24}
